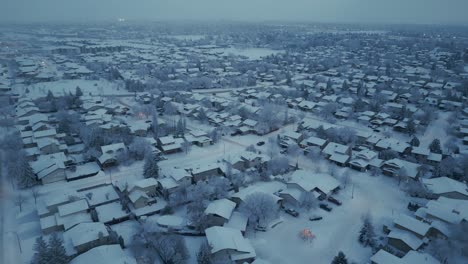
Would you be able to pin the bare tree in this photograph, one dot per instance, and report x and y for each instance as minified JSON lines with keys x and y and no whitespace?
{"x":20,"y":200}
{"x":35,"y":194}
{"x":171,"y":248}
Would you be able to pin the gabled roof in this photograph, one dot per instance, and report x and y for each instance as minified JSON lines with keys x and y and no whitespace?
{"x":222,"y":208}
{"x":443,"y":185}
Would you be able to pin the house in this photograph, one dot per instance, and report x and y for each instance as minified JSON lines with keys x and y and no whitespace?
{"x":401,"y":168}
{"x":228,"y":242}
{"x":383,"y":257}
{"x":199,"y":138}
{"x":85,"y":236}
{"x":362,"y":160}
{"x":238,"y":221}
{"x":204,"y":171}
{"x":446,"y":187}
{"x":148,"y":186}
{"x":111,"y":213}
{"x":308,"y":181}
{"x":100,"y":195}
{"x":219,"y":212}
{"x":314,"y":142}
{"x":50,"y":168}
{"x":337,"y":153}
{"x":404,"y":241}
{"x":106,"y":254}
{"x":110,"y":154}
{"x":138,"y":198}
{"x":169,"y":144}
{"x":412,"y":225}
{"x":82,"y":171}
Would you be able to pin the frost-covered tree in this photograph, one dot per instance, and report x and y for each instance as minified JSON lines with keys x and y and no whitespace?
{"x":204,"y":254}
{"x":196,"y":214}
{"x":170,"y":248}
{"x":278,"y":165}
{"x":139,"y":148}
{"x":151,"y":168}
{"x":367,"y":233}
{"x":259,"y":207}
{"x":220,"y":187}
{"x":308,"y":200}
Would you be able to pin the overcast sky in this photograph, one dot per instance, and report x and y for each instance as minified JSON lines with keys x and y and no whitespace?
{"x":361,"y":11}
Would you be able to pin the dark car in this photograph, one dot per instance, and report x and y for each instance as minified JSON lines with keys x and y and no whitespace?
{"x":260,"y":143}
{"x":325,"y":207}
{"x":292,"y":212}
{"x":333,"y":200}
{"x":260,"y":228}
{"x":315,"y":218}
{"x":413,"y":206}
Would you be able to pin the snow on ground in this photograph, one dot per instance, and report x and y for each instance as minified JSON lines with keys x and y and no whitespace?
{"x":338,"y":230}
{"x":62,"y":87}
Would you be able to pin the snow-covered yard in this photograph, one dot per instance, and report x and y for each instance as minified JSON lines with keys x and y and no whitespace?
{"x":338,"y":230}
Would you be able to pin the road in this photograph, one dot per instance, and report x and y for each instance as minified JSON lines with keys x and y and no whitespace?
{"x":8,"y":243}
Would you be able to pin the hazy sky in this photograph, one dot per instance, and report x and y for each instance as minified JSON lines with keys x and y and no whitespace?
{"x":365,"y":11}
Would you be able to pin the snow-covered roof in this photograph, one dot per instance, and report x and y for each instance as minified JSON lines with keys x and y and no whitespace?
{"x":383,"y":257}
{"x":225,"y":238}
{"x":414,"y":257}
{"x":442,"y":185}
{"x":309,"y":181}
{"x":107,"y":254}
{"x":85,"y":232}
{"x":73,"y":207}
{"x":237,"y":221}
{"x":110,"y":211}
{"x":222,"y":208}
{"x":411,"y":240}
{"x":412,"y":224}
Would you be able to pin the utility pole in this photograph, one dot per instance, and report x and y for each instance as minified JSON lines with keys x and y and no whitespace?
{"x":352,"y":192}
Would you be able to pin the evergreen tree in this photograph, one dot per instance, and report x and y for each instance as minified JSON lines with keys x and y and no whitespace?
{"x":435,"y":146}
{"x":151,"y":169}
{"x":26,"y":177}
{"x":345,"y":86}
{"x":50,"y":96}
{"x":57,"y":251}
{"x":415,"y":142}
{"x":367,"y":234}
{"x":41,"y":248}
{"x":340,"y":259}
{"x":411,"y":127}
{"x":78,"y":92}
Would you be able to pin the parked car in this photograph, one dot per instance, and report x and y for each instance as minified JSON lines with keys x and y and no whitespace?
{"x":260,"y":228}
{"x":292,"y":212}
{"x":325,"y":207}
{"x":315,"y":218}
{"x":333,"y":200}
{"x":260,"y":143}
{"x":413,"y":206}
